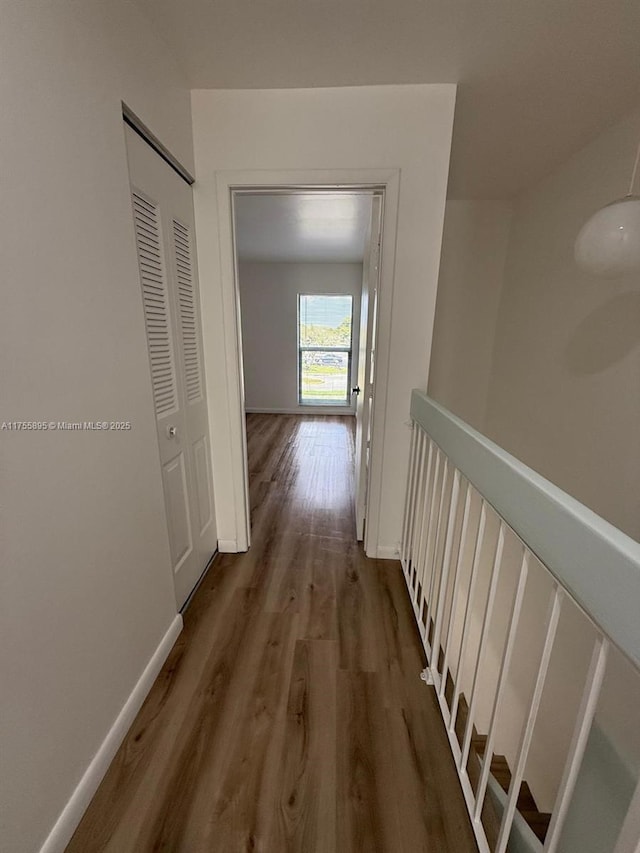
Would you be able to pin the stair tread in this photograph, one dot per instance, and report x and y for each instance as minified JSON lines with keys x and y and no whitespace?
{"x":538,"y":822}
{"x":526,"y":801}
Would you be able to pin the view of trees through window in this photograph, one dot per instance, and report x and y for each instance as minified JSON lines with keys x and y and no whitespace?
{"x":324,"y":349}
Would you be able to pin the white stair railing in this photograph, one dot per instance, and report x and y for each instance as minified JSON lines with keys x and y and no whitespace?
{"x":521,"y":596}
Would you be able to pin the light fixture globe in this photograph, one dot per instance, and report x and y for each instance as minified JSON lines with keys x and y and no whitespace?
{"x":609,"y":243}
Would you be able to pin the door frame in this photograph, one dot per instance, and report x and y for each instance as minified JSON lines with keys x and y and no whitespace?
{"x":228,"y":183}
{"x":366,"y":360}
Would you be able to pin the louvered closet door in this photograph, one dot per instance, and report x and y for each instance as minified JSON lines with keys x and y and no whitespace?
{"x":163,"y":223}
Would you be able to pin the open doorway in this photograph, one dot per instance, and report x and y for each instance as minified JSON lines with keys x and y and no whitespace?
{"x":307,"y":278}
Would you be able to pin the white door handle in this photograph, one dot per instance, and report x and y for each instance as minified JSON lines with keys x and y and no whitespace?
{"x":172,"y":431}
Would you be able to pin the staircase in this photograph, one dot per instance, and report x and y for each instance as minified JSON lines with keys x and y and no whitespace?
{"x":537,"y":821}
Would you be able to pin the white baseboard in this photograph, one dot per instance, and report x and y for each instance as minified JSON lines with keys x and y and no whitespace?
{"x":303,"y":410}
{"x":72,"y":813}
{"x":387,"y":552}
{"x":227,"y":546}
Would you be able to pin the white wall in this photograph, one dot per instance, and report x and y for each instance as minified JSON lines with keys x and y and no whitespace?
{"x":394,"y":127}
{"x":544,"y":358}
{"x":474,"y":248}
{"x":86,"y":587}
{"x":565,"y":380}
{"x":269,"y":306}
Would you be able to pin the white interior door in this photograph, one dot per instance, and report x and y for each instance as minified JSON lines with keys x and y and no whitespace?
{"x":164,"y":228}
{"x":366,"y":364}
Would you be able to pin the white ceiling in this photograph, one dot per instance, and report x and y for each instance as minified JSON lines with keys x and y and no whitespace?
{"x":537,"y":78}
{"x":304,"y":227}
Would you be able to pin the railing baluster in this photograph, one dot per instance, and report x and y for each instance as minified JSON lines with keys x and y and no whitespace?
{"x":415,"y":533}
{"x":467,"y":612}
{"x":426,"y":520}
{"x":584,"y":719}
{"x":407,"y":502}
{"x":527,"y":732}
{"x":507,"y":654}
{"x":629,"y":838}
{"x":420,"y":486}
{"x":456,"y":589}
{"x":422,"y":438}
{"x":446,"y":562}
{"x":424,"y":531}
{"x":433,"y":564}
{"x":484,"y":636}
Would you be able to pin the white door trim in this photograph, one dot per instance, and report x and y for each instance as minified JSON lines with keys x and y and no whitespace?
{"x":287,"y":180}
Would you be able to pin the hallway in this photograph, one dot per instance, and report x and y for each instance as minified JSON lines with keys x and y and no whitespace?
{"x":290,"y":715}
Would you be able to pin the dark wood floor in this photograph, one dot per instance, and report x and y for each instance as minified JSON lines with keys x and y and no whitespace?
{"x":290,"y":715}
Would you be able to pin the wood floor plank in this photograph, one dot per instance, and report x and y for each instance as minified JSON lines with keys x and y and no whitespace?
{"x":202,"y":749}
{"x":357,"y":611}
{"x":238,"y":787}
{"x":319,"y":613}
{"x":367,"y":810}
{"x":290,"y":715}
{"x":306,"y":817}
{"x":431,"y":811}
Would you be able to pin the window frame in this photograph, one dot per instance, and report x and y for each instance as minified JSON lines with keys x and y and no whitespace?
{"x":337,"y":349}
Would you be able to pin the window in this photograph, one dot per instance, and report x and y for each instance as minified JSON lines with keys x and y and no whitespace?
{"x":324,"y":350}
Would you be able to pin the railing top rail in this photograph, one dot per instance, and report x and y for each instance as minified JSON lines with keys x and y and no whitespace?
{"x":597,"y":563}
